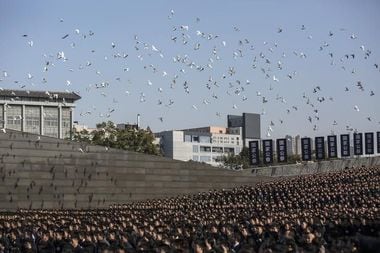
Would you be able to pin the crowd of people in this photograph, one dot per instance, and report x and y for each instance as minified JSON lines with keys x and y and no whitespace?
{"x":332,"y":212}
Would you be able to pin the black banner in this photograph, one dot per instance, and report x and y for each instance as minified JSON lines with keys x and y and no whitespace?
{"x":268,"y":151}
{"x":282,"y":152}
{"x":358,"y":143}
{"x":306,"y":149}
{"x":369,"y":144}
{"x":345,"y":145}
{"x":332,"y":146}
{"x":254,"y":153}
{"x":378,"y":142}
{"x":320,"y":148}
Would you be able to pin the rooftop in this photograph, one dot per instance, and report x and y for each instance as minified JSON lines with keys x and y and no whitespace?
{"x":39,"y":94}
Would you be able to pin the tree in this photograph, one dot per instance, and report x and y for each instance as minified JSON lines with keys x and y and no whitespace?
{"x":108,"y":135}
{"x":240,"y":161}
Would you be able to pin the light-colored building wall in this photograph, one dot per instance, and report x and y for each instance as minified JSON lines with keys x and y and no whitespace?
{"x":44,"y":116}
{"x":200,"y":146}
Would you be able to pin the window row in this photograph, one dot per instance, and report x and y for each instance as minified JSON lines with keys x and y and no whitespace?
{"x":208,"y":149}
{"x":32,"y":119}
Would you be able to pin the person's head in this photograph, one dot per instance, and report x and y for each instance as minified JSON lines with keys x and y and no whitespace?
{"x":75,"y":241}
{"x":309,"y":238}
{"x":244,"y":232}
{"x":259,"y":230}
{"x":120,"y":250}
{"x":88,"y":237}
{"x":45,"y":236}
{"x":27,"y":245}
{"x":198,"y":246}
{"x":100,"y":236}
{"x":112,"y":236}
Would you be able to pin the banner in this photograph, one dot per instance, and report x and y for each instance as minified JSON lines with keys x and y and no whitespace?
{"x":254,"y":153}
{"x":369,"y":144}
{"x":358,"y":143}
{"x":332,"y":146}
{"x":282,"y":151}
{"x":320,"y":148}
{"x":306,"y":149}
{"x":345,"y":145}
{"x":268,"y":151}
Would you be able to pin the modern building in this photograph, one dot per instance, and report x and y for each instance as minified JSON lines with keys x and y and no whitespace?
{"x":47,"y":113}
{"x":249,"y":123}
{"x":205,"y":144}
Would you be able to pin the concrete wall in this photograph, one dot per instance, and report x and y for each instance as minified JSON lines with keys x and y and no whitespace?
{"x":43,"y":172}
{"x":315,"y":167}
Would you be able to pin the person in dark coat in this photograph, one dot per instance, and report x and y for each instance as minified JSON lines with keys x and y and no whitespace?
{"x":75,"y":244}
{"x":45,"y":245}
{"x":88,"y":245}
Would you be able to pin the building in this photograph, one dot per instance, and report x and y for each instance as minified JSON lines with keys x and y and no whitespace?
{"x":249,"y":123}
{"x":126,"y":126}
{"x":204,"y":144}
{"x":79,"y":128}
{"x":47,"y":113}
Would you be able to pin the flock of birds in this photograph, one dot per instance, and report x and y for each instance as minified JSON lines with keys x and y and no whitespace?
{"x":221,"y":69}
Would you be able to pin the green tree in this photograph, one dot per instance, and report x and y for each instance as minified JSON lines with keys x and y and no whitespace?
{"x":240,"y":161}
{"x":108,"y":135}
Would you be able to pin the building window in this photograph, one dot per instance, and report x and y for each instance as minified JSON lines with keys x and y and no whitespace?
{"x":205,"y":139}
{"x":205,"y":158}
{"x":195,"y":158}
{"x":32,"y":119}
{"x":229,"y":150}
{"x":195,"y":138}
{"x":51,"y":121}
{"x":14,"y":117}
{"x":217,"y":149}
{"x":205,"y":148}
{"x":195,"y":149}
{"x":66,"y":122}
{"x":187,"y":138}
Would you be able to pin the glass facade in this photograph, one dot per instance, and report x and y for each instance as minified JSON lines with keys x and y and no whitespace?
{"x":229,"y":150}
{"x":32,"y":119}
{"x":217,"y":149}
{"x":51,"y":121}
{"x":205,"y":139}
{"x":14,"y":116}
{"x":205,"y":148}
{"x":66,"y":122}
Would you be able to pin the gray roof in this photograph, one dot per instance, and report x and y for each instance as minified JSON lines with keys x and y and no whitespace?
{"x":39,"y":94}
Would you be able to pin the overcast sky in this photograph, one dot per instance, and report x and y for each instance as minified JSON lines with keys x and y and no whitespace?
{"x":293,"y":53}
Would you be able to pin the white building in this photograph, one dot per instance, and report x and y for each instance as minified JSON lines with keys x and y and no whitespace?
{"x":206,"y":144}
{"x":38,"y":112}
